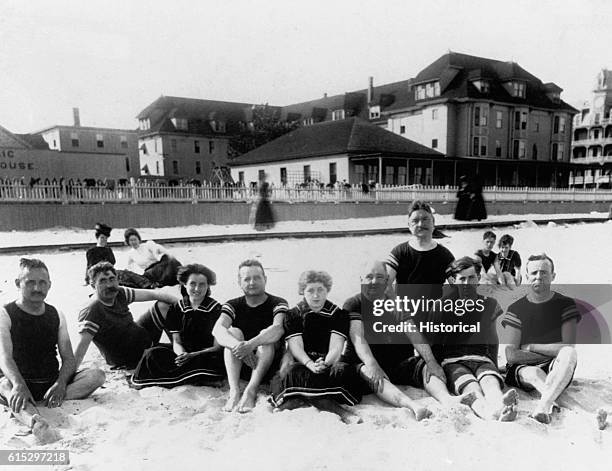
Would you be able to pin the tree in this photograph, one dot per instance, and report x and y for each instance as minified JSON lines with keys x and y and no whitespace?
{"x":265,"y":126}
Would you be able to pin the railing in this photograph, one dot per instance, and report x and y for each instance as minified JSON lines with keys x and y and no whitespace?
{"x":15,"y":191}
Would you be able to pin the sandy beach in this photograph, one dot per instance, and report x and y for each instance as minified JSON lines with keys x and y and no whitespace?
{"x":184,"y":428}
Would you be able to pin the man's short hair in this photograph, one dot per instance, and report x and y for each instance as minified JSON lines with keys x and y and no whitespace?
{"x":489,"y":235}
{"x":461,"y":264}
{"x":539,"y":257}
{"x":31,"y":264}
{"x":251,"y":263}
{"x":184,"y":272}
{"x":100,"y":267}
{"x":418,"y":205}
{"x":129,"y":233}
{"x":314,"y":276}
{"x":506,"y":239}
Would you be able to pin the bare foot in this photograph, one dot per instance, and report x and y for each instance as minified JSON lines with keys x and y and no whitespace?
{"x":247,"y":402}
{"x":510,"y":398}
{"x":508,"y":414}
{"x":602,"y":417}
{"x":468,"y":399}
{"x":291,"y":404}
{"x":541,"y":417}
{"x":41,"y":430}
{"x":350,"y":418}
{"x":421,"y":413}
{"x":232,"y":401}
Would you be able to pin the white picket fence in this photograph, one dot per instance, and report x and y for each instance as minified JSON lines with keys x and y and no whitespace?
{"x":139,"y":192}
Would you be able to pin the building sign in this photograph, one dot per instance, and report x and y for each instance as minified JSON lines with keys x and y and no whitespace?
{"x":9,"y":162}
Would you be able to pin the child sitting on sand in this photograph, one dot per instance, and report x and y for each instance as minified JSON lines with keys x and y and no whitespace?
{"x":488,"y":259}
{"x":509,"y":262}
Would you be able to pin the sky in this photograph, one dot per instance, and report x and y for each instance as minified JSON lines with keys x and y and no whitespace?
{"x":113,"y":58}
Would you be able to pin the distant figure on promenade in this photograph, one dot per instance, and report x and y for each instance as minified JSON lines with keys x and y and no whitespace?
{"x":32,"y":332}
{"x":101,"y":252}
{"x":477,"y":208}
{"x":470,"y":203}
{"x":463,"y":199}
{"x":262,"y":214}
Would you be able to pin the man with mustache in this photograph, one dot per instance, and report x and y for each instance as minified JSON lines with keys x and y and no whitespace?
{"x":108,"y":321}
{"x":31,"y":334}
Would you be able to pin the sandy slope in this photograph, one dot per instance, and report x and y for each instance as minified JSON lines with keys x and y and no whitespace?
{"x":183,"y":428}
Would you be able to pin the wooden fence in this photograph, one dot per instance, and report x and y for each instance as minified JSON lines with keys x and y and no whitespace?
{"x":137,"y":192}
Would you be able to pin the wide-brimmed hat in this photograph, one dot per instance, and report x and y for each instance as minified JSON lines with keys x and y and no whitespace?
{"x":103,"y":229}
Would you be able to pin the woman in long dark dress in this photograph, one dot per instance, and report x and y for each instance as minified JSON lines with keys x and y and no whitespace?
{"x":194,"y":356}
{"x":316,"y":331}
{"x":101,"y":252}
{"x":464,"y":200}
{"x":264,"y":214}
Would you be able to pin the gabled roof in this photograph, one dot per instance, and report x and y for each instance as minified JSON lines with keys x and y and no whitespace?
{"x":352,"y":136}
{"x":456,"y":72}
{"x":198,"y":112}
{"x":35,"y":141}
{"x":8,"y":139}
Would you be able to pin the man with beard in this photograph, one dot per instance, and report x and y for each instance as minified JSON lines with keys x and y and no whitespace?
{"x":108,"y":321}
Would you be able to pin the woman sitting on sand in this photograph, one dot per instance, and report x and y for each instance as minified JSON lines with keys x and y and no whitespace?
{"x":149,"y":265}
{"x":194,"y":355}
{"x":316,"y":331}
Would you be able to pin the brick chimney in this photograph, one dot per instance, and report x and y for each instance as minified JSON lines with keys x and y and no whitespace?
{"x":77,"y":117}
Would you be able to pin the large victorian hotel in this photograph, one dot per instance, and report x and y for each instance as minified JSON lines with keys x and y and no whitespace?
{"x":592,"y":143}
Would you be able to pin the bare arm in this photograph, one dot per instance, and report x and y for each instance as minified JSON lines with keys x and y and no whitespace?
{"x":296,"y":347}
{"x":391,"y":285}
{"x":270,"y":334}
{"x":177,"y":344}
{"x":155,"y":295}
{"x":514,"y":353}
{"x":7,"y":363}
{"x":64,"y":347}
{"x":20,"y":395}
{"x":336,"y":345}
{"x":568,"y":339}
{"x":221,"y":333}
{"x":81,"y":349}
{"x":362,"y":348}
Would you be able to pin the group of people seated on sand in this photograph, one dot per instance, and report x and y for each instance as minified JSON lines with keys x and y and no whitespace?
{"x":313,"y":354}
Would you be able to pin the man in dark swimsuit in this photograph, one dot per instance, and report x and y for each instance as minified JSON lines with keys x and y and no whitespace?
{"x":249,"y":328}
{"x":31,"y":331}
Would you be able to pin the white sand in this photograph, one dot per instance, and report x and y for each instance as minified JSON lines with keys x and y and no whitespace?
{"x":184,"y":428}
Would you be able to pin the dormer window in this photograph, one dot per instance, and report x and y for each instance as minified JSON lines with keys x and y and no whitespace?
{"x":338,"y":114}
{"x":518,"y":89}
{"x":482,"y":85}
{"x":144,"y":124}
{"x":374,"y":112}
{"x":217,"y":126}
{"x":180,"y":123}
{"x":427,"y":90}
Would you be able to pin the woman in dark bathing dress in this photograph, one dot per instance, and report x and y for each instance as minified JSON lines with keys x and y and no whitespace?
{"x":194,"y":356}
{"x":316,"y":331}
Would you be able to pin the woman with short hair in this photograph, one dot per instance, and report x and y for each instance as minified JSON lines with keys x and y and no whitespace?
{"x":316,"y":331}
